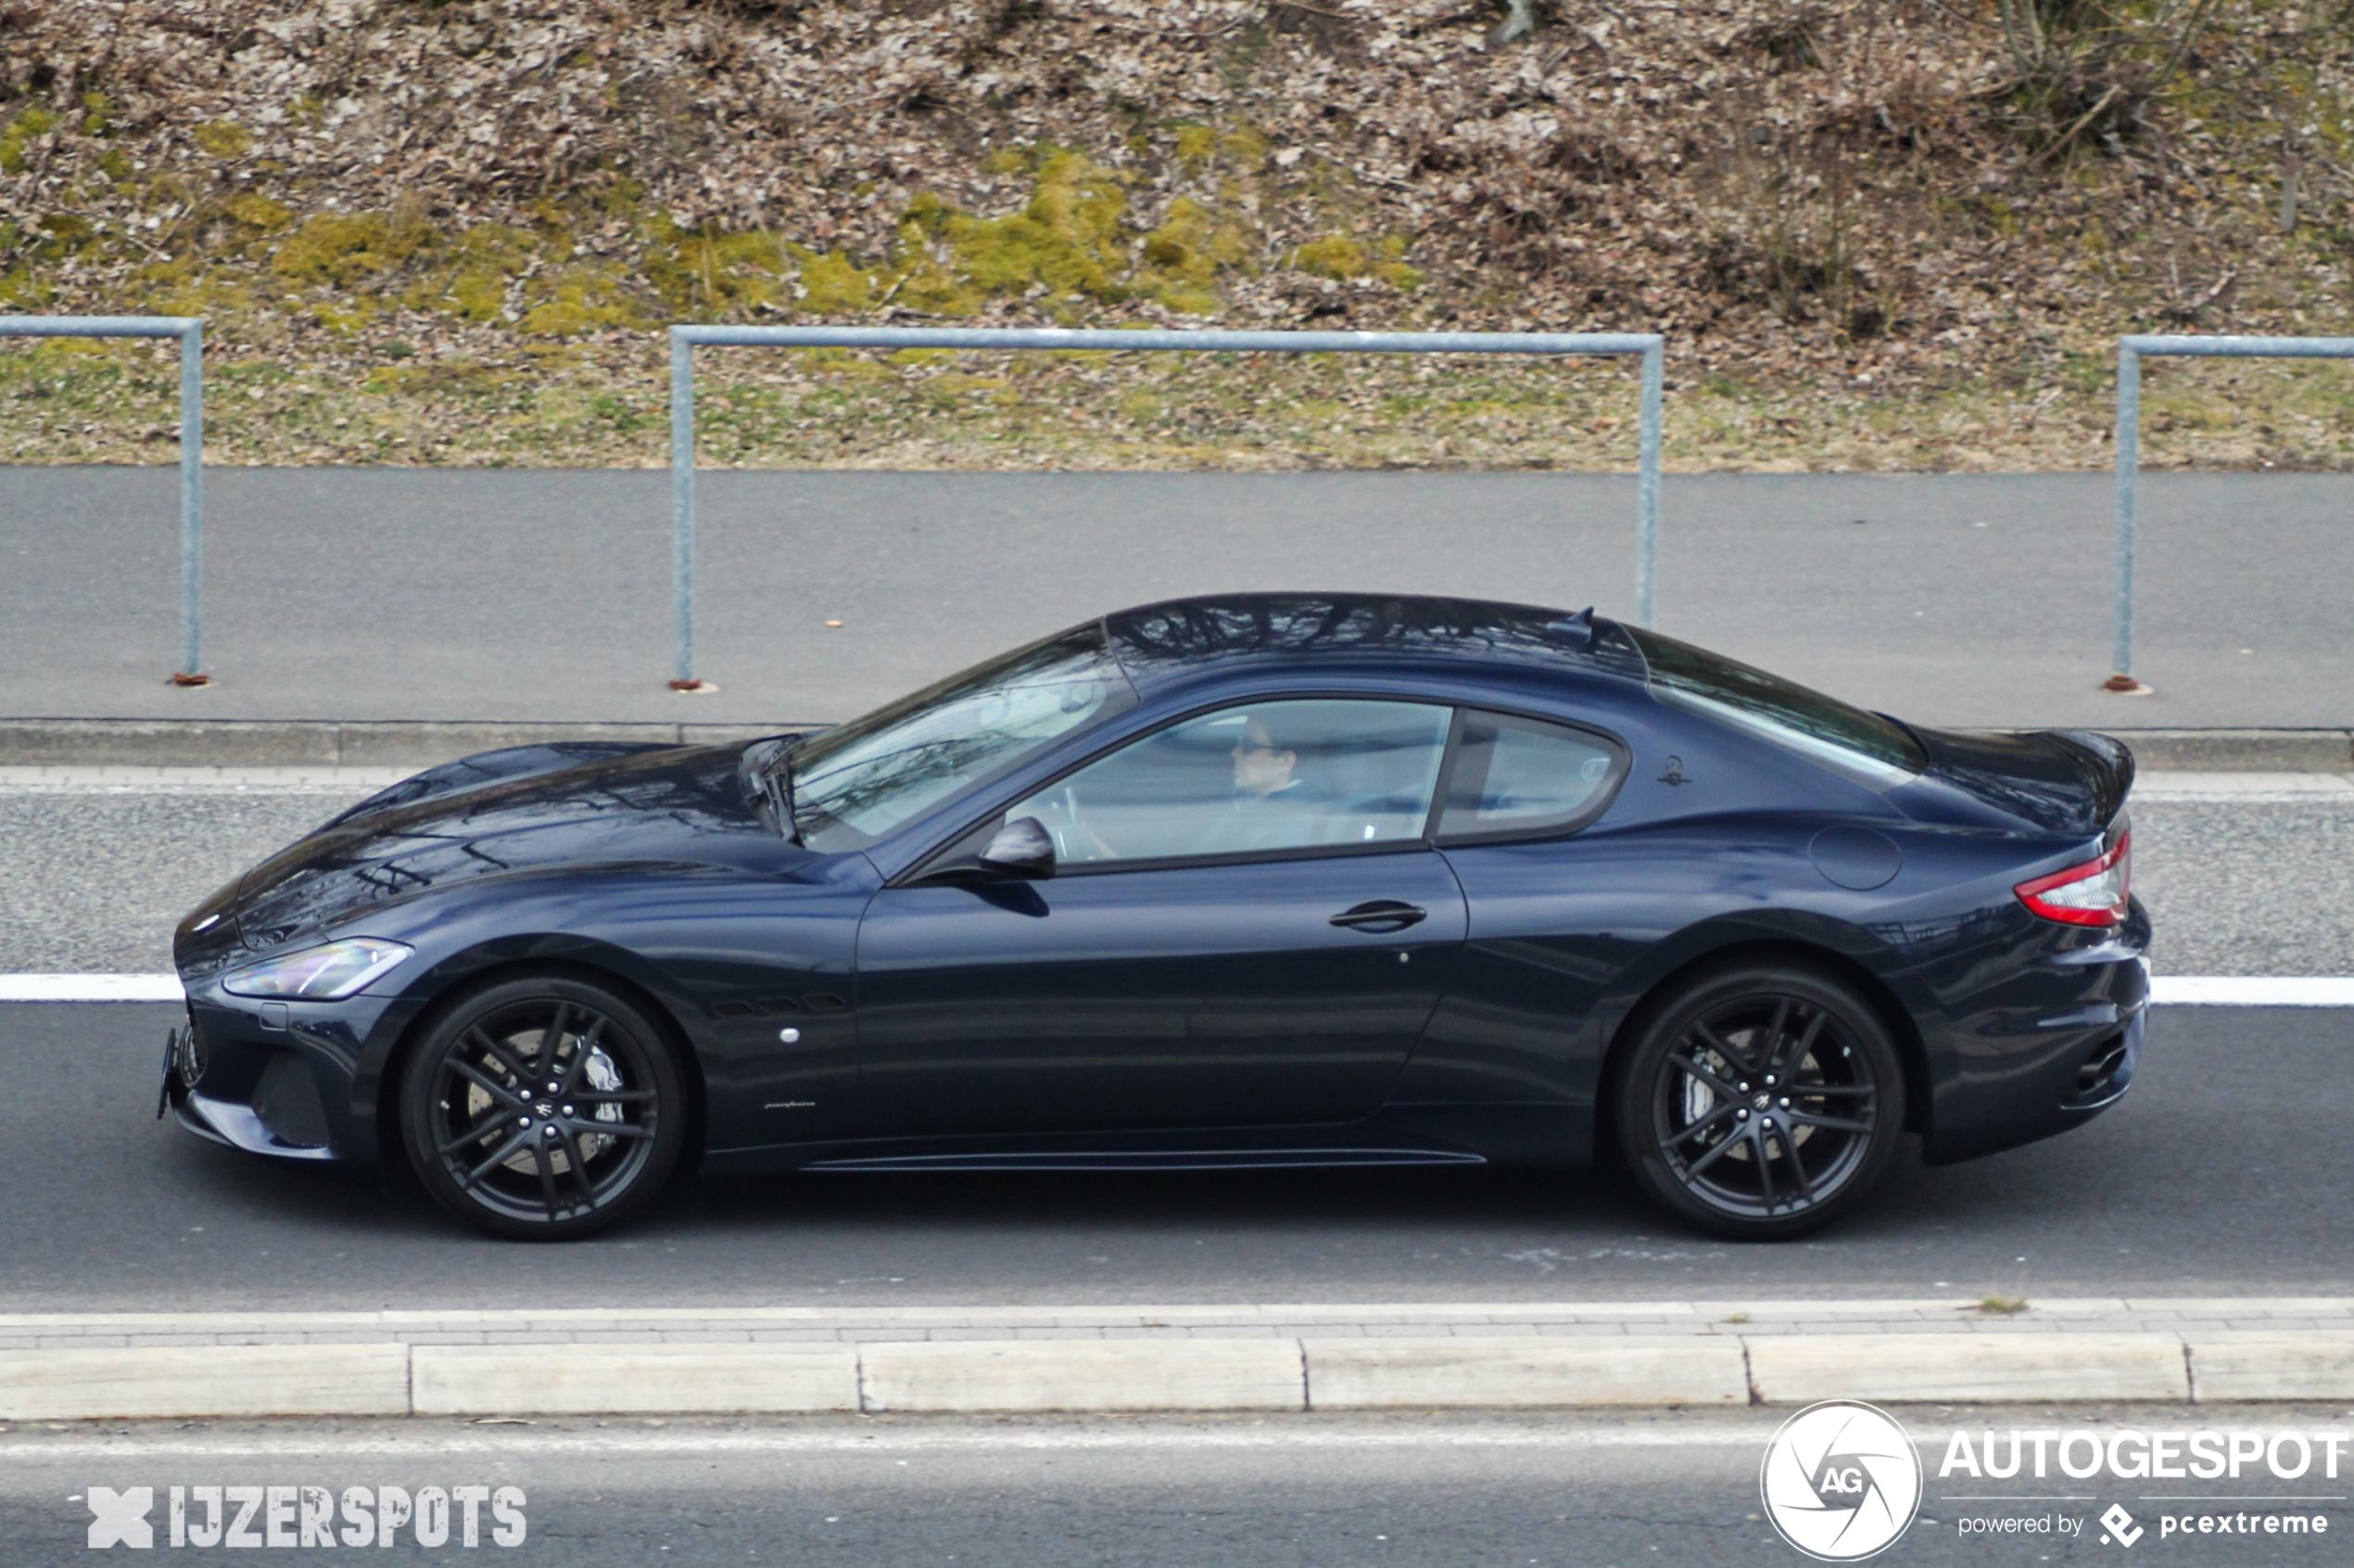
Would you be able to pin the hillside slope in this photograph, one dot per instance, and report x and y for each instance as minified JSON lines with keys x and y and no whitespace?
{"x":1878,"y":232}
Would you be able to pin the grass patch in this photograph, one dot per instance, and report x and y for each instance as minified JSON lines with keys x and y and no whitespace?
{"x":345,"y":389}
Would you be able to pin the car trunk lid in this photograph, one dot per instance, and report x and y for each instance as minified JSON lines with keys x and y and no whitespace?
{"x":2060,"y":780}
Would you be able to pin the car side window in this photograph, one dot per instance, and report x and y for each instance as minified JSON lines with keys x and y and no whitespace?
{"x":1268,"y":776}
{"x":1514,"y":776}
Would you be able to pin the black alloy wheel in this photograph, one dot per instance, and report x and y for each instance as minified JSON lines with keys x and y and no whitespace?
{"x":1760,"y":1102}
{"x":542,"y":1109}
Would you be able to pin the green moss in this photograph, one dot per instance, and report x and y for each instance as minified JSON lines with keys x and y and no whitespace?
{"x":224,"y":139}
{"x":1196,"y":145}
{"x":32,"y":122}
{"x":1184,"y":257}
{"x":1244,"y":146}
{"x":711,"y":270}
{"x":831,"y":286}
{"x":1067,"y":241}
{"x":258,"y":211}
{"x":347,"y":317}
{"x":68,"y":231}
{"x":501,"y":245}
{"x":342,"y":250}
{"x":577,"y":301}
{"x":20,"y":288}
{"x":98,"y":114}
{"x":1335,"y":256}
{"x":479,"y":294}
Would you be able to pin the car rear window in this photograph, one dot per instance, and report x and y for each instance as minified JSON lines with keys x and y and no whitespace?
{"x":1516,"y":778}
{"x":1781,"y":710}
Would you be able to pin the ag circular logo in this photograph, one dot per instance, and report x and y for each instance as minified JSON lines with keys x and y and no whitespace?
{"x":1840,"y":1481}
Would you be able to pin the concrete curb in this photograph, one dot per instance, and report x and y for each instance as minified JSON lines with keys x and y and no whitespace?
{"x":254,"y":1380}
{"x":974,"y":1375}
{"x":420,"y":744}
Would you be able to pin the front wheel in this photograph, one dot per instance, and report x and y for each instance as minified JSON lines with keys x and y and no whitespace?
{"x":1760,"y":1102}
{"x":542,"y":1109}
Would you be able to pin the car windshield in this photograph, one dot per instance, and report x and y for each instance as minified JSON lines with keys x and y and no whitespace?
{"x":858,"y":781}
{"x":1781,"y":710}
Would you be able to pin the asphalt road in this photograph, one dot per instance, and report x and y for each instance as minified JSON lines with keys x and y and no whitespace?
{"x":490,"y":594}
{"x":2221,"y":1173}
{"x":1413,"y":1491}
{"x":94,"y":882}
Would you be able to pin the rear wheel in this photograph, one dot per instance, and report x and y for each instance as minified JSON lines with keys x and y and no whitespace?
{"x":1760,"y":1102}
{"x":543,"y":1108}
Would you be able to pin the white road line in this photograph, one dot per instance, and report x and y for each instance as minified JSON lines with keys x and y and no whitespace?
{"x":90,"y":988}
{"x":412,"y":1436}
{"x":2166,"y":990}
{"x":2268,"y":788}
{"x":2252,"y":991}
{"x":118,"y":780}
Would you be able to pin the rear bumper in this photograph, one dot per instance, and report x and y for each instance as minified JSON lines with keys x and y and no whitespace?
{"x":2045,"y":1050}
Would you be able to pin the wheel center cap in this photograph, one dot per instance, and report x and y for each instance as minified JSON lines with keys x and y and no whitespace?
{"x":1760,"y":1101}
{"x":548,"y":1110}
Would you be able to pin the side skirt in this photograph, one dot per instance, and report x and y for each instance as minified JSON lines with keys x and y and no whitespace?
{"x":1155,"y":1159}
{"x":1445,"y":1134}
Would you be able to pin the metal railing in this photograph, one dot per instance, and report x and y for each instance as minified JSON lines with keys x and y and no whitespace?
{"x":189,"y":330}
{"x":2129,"y":352}
{"x":684,"y":340}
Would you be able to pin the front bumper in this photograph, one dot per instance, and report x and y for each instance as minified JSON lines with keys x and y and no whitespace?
{"x":279,"y":1080}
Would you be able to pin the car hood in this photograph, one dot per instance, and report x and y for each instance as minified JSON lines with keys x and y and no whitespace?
{"x":2060,"y":780}
{"x":674,"y":805}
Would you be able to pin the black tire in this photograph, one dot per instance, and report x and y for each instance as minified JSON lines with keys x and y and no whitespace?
{"x":542,"y":1109}
{"x":1761,"y":1101}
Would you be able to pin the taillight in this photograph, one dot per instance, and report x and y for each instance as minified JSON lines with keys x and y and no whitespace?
{"x":2092,"y":895}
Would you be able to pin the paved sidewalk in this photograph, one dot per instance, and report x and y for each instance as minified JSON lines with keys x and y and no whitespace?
{"x":1719,"y":1354}
{"x":1732,"y":1319}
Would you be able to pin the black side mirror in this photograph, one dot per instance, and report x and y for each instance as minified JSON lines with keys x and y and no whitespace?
{"x":1021,"y":849}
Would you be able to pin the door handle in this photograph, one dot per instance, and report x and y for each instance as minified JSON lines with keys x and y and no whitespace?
{"x":1382,"y":916}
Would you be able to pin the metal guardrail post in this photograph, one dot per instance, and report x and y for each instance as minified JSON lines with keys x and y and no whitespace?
{"x":189,"y":330}
{"x":191,"y":671}
{"x":682,"y":510}
{"x":1646,"y":486}
{"x":2130,"y":351}
{"x":2129,"y":465}
{"x":1650,"y":345}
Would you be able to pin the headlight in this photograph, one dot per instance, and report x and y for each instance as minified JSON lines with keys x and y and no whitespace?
{"x":318,"y":974}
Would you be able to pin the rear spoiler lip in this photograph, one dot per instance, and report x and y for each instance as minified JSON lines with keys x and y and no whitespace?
{"x":2068,"y":783}
{"x":2108,"y":764}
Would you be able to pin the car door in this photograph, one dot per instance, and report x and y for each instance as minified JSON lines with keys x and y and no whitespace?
{"x":1557,"y":913}
{"x":1247,"y":928}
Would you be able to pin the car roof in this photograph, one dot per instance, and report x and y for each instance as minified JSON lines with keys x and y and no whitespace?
{"x":1184,"y":637}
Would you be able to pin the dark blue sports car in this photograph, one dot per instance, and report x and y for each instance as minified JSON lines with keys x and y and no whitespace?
{"x":1256,"y":881}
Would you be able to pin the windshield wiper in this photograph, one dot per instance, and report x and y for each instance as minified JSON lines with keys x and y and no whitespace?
{"x":774,"y":776}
